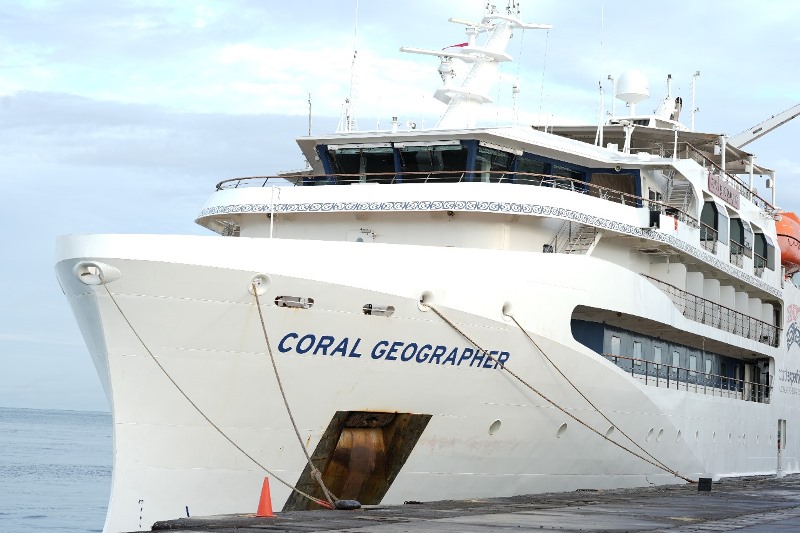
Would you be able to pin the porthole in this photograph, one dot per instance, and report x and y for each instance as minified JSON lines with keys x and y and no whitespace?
{"x":610,"y":431}
{"x":660,"y":435}
{"x":650,"y":434}
{"x":561,"y":430}
{"x":678,"y":436}
{"x":494,"y":427}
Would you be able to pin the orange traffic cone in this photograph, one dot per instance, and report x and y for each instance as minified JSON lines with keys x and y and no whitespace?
{"x":265,"y":502}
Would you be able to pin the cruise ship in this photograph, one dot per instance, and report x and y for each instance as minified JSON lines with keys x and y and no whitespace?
{"x":453,"y":312}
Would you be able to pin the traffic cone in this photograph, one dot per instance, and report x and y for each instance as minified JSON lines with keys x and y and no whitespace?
{"x":265,"y":502}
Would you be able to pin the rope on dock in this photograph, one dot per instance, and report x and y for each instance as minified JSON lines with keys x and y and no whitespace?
{"x":501,"y":366}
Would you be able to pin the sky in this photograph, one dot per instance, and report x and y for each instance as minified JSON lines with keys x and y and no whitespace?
{"x":120,"y":117}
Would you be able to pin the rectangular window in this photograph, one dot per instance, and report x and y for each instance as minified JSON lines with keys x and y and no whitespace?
{"x":493,"y":165}
{"x":530,"y":171}
{"x":708,"y":365}
{"x":657,"y":355}
{"x":615,"y":344}
{"x":693,"y":365}
{"x":676,"y":358}
{"x":364,"y":160}
{"x":637,"y":352}
{"x":571,"y":181}
{"x":654,"y":196}
{"x":433,"y":163}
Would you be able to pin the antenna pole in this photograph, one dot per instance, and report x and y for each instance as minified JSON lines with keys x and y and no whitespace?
{"x":309,"y":114}
{"x":347,"y":122}
{"x":613,"y":92}
{"x":350,"y":118}
{"x":694,"y":109}
{"x":599,"y":137}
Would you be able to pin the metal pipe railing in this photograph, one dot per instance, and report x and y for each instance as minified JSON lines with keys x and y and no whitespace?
{"x":669,"y":376}
{"x":719,"y":316}
{"x":524,"y":178}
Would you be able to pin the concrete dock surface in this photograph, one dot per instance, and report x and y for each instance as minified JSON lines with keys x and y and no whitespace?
{"x":750,"y":504}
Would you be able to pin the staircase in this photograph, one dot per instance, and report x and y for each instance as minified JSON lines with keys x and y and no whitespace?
{"x":574,"y":238}
{"x":681,"y":195}
{"x":582,"y":241}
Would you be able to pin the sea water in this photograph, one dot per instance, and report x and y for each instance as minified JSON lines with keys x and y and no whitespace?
{"x":55,"y":470}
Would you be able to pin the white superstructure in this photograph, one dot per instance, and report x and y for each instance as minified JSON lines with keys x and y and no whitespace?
{"x":634,"y":289}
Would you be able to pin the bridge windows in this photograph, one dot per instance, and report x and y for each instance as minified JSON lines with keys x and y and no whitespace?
{"x":363,"y":159}
{"x":493,"y":164}
{"x":440,"y":158}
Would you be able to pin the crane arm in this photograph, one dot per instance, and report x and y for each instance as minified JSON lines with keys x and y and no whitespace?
{"x":747,"y":136}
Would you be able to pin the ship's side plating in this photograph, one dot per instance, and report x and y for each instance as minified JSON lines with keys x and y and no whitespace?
{"x":487,"y":435}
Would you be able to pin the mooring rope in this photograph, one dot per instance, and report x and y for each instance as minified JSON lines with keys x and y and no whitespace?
{"x":200,"y":411}
{"x":501,"y":366}
{"x":315,"y":473}
{"x":663,"y":466}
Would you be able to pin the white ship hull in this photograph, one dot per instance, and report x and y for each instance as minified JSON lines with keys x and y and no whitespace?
{"x":185,"y":301}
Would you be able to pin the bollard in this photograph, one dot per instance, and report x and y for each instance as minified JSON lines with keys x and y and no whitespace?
{"x":704,"y":484}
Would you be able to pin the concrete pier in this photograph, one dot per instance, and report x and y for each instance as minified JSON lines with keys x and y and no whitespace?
{"x":752,"y":504}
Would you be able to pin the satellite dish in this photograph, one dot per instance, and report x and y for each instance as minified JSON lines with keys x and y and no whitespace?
{"x":633,"y":87}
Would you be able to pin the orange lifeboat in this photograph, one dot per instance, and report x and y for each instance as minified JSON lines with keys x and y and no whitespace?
{"x":788,"y":228}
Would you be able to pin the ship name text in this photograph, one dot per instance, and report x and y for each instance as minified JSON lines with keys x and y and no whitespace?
{"x":400,"y":351}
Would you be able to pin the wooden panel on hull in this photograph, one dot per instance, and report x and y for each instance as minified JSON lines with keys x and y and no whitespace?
{"x":788,"y":229}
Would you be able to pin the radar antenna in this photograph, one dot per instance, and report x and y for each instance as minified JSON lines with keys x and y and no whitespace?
{"x":462,"y":102}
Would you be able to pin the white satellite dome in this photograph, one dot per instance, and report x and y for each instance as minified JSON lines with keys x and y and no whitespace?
{"x":633,"y":87}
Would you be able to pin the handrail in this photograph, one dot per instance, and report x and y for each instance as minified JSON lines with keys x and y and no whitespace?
{"x":747,"y":390}
{"x":736,"y":253}
{"x":707,"y":232}
{"x":666,"y":150}
{"x":708,"y":237}
{"x":708,"y":312}
{"x":739,"y":185}
{"x":526,"y":178}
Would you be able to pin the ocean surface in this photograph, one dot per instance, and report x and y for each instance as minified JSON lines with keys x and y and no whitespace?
{"x":55,"y":470}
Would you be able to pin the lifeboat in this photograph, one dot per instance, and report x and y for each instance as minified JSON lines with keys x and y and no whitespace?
{"x":788,"y":229}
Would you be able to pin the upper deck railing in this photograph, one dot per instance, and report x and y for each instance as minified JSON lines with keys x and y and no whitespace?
{"x":686,"y":150}
{"x":521,"y":178}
